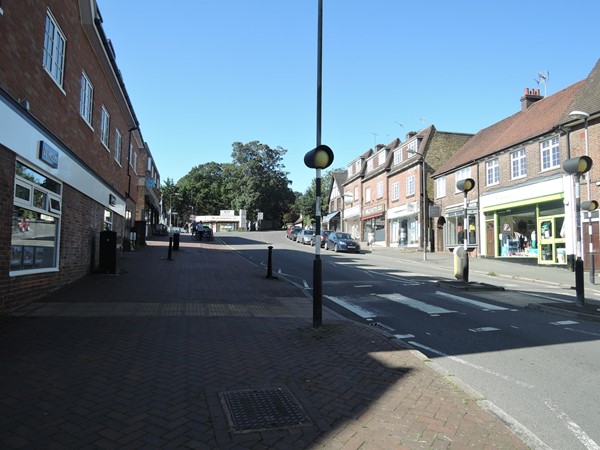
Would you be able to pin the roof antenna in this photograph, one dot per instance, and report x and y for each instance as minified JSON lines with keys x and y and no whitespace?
{"x":543,"y":79}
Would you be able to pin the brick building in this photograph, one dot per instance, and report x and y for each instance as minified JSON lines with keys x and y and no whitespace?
{"x":388,"y":189}
{"x":523,"y":204}
{"x":70,"y":147}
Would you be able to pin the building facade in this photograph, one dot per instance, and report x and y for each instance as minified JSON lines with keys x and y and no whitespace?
{"x":388,"y":190}
{"x":523,"y":204}
{"x":70,"y":146}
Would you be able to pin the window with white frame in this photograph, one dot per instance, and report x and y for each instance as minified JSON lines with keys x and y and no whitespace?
{"x":86,"y":99}
{"x":380,"y":189}
{"x":118,"y":145}
{"x":35,"y":222}
{"x":104,"y":126}
{"x":370,"y":165}
{"x":492,"y":172}
{"x":410,"y":186}
{"x":518,"y":164}
{"x":440,"y":187}
{"x":135,"y":162}
{"x":550,"y":153}
{"x":413,"y":146}
{"x":395,"y":195}
{"x":381,"y":158}
{"x":367,"y":195}
{"x":356,"y":194}
{"x":397,"y":157}
{"x":461,"y":174}
{"x":54,"y":49}
{"x":108,"y":219}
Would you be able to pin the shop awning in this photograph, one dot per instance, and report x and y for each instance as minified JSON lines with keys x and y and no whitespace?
{"x":328,"y":217}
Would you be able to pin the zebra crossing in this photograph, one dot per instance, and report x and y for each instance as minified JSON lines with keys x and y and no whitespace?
{"x":368,"y":307}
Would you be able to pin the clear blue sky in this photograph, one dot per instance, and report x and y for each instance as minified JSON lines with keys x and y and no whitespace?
{"x":203,"y":74}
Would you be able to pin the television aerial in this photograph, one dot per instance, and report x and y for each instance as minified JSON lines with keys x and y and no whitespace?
{"x":542,"y":78}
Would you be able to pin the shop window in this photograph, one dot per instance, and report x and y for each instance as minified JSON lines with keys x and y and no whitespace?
{"x":35,"y":222}
{"x":108,"y":219}
{"x":455,"y":230}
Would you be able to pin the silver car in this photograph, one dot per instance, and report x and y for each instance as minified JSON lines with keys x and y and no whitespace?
{"x":305,"y":236}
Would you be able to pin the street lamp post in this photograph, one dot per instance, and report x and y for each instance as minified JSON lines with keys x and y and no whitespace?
{"x":577,"y":167}
{"x":585,"y":116}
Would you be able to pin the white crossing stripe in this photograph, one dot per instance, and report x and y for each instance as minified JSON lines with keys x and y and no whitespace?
{"x":482,"y":305}
{"x":564,"y":322}
{"x":361,"y":312}
{"x":404,"y":336}
{"x":416,"y":304}
{"x":483,"y":329}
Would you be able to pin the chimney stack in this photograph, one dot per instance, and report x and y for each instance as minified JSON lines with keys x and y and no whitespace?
{"x":530,"y":96}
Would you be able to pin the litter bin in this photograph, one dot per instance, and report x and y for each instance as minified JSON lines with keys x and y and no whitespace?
{"x":107,"y":262}
{"x":175,"y":241}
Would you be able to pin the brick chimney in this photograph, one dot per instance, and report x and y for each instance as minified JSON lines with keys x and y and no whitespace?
{"x":530,"y":96}
{"x":411,"y":134}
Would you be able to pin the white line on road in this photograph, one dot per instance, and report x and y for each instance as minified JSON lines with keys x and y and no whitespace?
{"x":416,"y":304}
{"x":482,"y":305}
{"x":483,"y":329}
{"x":564,"y":322}
{"x":361,"y":312}
{"x":581,"y":435}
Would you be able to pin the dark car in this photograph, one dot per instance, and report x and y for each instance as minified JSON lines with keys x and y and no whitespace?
{"x":342,"y":242}
{"x":293,"y":233}
{"x":324,"y":234}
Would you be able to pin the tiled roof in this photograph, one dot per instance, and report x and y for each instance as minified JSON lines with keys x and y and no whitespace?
{"x":541,"y":117}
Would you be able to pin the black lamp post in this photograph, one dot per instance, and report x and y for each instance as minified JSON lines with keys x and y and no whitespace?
{"x":577,"y":167}
{"x":319,"y":158}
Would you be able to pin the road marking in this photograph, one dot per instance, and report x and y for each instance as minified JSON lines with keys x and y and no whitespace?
{"x":483,"y":329}
{"x":482,"y":305}
{"x":564,"y":322}
{"x":404,"y":336}
{"x":361,"y":312}
{"x":581,"y":435}
{"x":363,"y":286}
{"x":416,"y":304}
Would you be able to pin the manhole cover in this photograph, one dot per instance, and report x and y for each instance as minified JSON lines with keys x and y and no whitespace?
{"x":261,"y":409}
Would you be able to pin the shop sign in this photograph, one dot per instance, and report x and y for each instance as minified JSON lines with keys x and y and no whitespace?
{"x":48,"y":154}
{"x":373,"y":210}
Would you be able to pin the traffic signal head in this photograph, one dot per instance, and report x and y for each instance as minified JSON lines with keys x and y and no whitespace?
{"x":319,"y":158}
{"x":578,"y":165}
{"x":465,"y":185}
{"x":592,"y":205}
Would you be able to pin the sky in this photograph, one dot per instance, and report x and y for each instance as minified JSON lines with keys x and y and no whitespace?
{"x":203,"y":74}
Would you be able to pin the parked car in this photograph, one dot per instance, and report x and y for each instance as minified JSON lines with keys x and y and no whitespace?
{"x":305,"y":236}
{"x":342,"y":242}
{"x":292,"y":232}
{"x":324,"y":234}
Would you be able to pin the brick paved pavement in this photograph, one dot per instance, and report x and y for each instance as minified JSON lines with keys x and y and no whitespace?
{"x":143,"y":359}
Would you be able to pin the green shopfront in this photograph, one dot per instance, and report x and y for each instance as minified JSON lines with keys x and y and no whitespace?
{"x":533,"y":228}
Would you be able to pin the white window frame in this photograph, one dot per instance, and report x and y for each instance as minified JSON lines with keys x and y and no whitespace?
{"x":105,"y":127}
{"x":118,"y":146}
{"x":518,"y":164}
{"x":379,"y":190}
{"x":86,"y":100}
{"x":395,"y":194}
{"x":440,"y":187}
{"x":550,"y":153}
{"x":370,"y":165}
{"x":368,"y":194}
{"x":410,"y":186}
{"x":381,"y":159}
{"x":42,"y":201}
{"x":135,"y":161}
{"x":55,"y":44}
{"x":356,"y":194}
{"x":492,"y":172}
{"x":398,"y":157}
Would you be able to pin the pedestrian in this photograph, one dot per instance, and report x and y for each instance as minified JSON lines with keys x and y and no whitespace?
{"x":200,"y":231}
{"x":370,"y":239}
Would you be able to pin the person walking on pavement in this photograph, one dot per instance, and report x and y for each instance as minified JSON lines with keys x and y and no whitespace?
{"x":370,"y":239}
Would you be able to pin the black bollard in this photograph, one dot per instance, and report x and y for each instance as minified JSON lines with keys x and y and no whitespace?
{"x":170,"y":247}
{"x":270,"y":263}
{"x":175,"y":241}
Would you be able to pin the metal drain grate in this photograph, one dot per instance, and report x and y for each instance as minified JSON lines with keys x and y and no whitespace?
{"x":382,"y":326}
{"x":262,"y":409}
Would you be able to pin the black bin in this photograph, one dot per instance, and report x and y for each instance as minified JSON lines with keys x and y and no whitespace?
{"x":107,"y":258}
